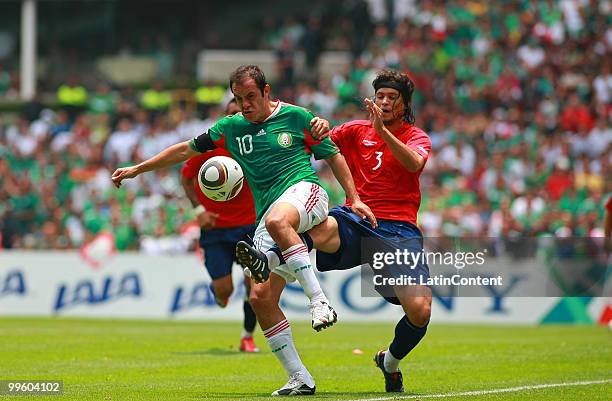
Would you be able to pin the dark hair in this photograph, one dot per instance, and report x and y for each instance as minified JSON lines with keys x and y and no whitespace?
{"x":245,"y":72}
{"x":402,"y":83}
{"x":232,"y":100}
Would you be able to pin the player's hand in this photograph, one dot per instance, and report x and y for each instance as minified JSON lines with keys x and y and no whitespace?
{"x":319,"y":128}
{"x":207,"y":220}
{"x":122,"y":173}
{"x":375,"y":115}
{"x":362,"y":210}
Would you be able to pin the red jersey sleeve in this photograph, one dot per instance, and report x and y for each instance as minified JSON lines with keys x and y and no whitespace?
{"x":337,"y":134}
{"x":343,"y":134}
{"x":192,"y":166}
{"x":420,"y":143}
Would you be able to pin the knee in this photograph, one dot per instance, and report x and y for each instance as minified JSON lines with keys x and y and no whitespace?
{"x":420,"y":313}
{"x":259,"y":300}
{"x":223,"y":289}
{"x":276,"y":223}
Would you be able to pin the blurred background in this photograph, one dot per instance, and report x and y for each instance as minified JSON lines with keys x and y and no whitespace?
{"x":515,"y":96}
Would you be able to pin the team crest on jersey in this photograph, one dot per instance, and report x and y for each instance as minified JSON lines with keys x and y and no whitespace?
{"x":285,"y":140}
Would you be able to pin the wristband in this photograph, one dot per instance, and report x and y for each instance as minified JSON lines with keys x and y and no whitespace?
{"x":198,"y":210}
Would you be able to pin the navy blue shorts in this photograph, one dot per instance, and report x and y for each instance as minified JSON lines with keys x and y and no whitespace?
{"x":219,"y":247}
{"x":388,"y":237}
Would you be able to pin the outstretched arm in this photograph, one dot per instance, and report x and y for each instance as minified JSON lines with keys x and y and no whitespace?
{"x":168,"y":157}
{"x":344,"y":177}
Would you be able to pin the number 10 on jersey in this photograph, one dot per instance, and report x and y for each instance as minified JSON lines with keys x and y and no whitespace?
{"x":245,"y":144}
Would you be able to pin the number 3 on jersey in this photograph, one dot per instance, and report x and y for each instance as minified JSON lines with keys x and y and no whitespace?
{"x":379,"y":159}
{"x":245,"y":144}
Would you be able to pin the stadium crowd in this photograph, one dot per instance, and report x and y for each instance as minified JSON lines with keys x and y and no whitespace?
{"x":514,"y":95}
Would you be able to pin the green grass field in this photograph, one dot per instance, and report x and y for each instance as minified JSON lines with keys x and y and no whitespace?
{"x":148,"y":360}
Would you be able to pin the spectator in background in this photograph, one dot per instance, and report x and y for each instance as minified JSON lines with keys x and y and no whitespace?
{"x":102,"y":101}
{"x":72,"y":96}
{"x":156,"y":99}
{"x":285,"y":62}
{"x":122,"y":143}
{"x":521,"y":126}
{"x":312,"y":43}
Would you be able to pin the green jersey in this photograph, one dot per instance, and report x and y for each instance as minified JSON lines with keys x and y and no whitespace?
{"x":275,"y":154}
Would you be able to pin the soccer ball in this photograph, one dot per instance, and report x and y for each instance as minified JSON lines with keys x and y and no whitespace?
{"x":220,"y":178}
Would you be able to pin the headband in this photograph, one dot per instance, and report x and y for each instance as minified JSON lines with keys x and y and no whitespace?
{"x":391,"y":84}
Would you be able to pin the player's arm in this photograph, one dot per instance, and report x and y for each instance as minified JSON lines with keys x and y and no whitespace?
{"x":343,"y":175}
{"x":206,"y":219}
{"x":409,"y":158}
{"x":168,"y":157}
{"x":188,"y":186}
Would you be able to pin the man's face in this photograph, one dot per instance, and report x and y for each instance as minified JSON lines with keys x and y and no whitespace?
{"x":392,"y":105}
{"x":252,"y":103}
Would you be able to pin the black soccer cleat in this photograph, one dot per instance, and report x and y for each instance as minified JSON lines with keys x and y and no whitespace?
{"x":254,"y":262}
{"x":394,"y":382}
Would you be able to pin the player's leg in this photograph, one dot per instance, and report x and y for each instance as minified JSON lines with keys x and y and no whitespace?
{"x":337,"y":240}
{"x":300,"y":208}
{"x":416,"y":303}
{"x":218,"y":260}
{"x":324,"y":237}
{"x":409,"y":331}
{"x":247,"y":343}
{"x":265,"y":299}
{"x":222,"y":289}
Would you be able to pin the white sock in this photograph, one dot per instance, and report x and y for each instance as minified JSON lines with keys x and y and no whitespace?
{"x":246,"y":334}
{"x":298,"y":262}
{"x":391,"y":363}
{"x":280,"y":339}
{"x":273,"y":260}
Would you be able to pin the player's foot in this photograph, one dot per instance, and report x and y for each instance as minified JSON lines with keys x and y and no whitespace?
{"x":393,"y":381}
{"x":295,"y":386}
{"x":254,"y":262}
{"x":323,"y":315}
{"x":247,"y":344}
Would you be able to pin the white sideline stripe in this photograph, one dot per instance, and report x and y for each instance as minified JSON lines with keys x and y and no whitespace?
{"x":486,"y":392}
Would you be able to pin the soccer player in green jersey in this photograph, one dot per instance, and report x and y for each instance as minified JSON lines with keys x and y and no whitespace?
{"x":271,"y":141}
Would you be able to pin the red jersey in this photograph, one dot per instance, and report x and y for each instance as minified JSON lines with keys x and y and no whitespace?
{"x":391,"y":191}
{"x":236,"y":212}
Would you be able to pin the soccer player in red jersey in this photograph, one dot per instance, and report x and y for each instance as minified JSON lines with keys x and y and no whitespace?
{"x":386,"y":156}
{"x":222,"y":224}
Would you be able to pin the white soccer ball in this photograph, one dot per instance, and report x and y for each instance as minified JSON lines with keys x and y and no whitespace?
{"x":220,"y":178}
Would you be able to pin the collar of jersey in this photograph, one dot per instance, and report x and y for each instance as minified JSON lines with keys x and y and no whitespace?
{"x":274,"y":112}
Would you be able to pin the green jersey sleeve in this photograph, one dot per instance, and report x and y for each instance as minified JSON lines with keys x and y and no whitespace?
{"x":219,"y":131}
{"x":211,"y":139}
{"x":321,"y":149}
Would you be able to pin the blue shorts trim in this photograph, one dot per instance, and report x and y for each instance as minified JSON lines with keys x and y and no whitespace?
{"x":219,"y":247}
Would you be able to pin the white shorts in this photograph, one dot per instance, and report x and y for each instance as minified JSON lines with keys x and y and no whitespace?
{"x":311,"y":202}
